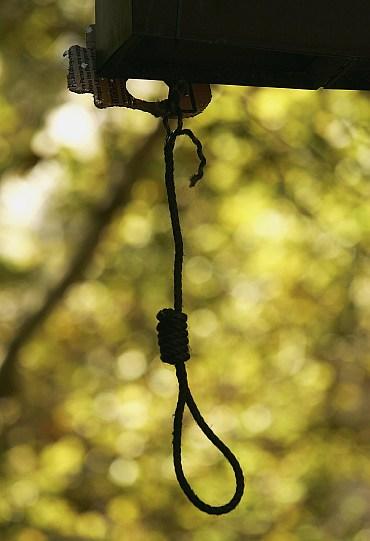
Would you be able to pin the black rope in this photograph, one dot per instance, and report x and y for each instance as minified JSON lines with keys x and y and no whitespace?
{"x":173,"y":336}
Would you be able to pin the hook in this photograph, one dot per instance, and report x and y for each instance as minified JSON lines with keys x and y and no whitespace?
{"x":83,"y":78}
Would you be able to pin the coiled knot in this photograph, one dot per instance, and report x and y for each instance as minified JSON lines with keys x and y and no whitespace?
{"x":173,"y":338}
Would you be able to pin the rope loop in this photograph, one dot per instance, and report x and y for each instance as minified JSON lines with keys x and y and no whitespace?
{"x":172,"y":330}
{"x":186,"y":398}
{"x":171,"y":142}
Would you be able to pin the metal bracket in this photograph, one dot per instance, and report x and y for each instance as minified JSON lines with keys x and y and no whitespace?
{"x":83,"y":78}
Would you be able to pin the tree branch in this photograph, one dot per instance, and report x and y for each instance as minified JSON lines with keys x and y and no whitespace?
{"x":117,"y":196}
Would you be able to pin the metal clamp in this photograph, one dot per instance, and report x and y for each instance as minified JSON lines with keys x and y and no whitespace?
{"x":83,"y":79}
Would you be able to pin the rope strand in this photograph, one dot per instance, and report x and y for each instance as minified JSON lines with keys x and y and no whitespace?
{"x":173,"y":335}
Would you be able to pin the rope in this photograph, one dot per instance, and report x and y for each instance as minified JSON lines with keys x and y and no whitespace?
{"x":173,"y":335}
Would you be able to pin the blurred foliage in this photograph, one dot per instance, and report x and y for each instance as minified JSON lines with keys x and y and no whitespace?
{"x":277,"y":287}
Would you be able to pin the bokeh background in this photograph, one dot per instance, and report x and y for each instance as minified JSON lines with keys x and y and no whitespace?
{"x":277,"y":286}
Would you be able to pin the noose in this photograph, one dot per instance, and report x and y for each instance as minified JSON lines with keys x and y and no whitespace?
{"x":172,"y":322}
{"x":173,"y":331}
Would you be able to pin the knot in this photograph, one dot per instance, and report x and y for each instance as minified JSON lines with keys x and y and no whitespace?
{"x":173,"y":338}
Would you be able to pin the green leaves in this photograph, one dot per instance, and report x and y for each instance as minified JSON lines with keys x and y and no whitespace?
{"x":275,"y":285}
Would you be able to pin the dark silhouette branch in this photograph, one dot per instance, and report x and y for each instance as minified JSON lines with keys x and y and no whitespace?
{"x":117,"y":196}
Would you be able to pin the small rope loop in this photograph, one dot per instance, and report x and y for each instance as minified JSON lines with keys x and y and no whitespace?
{"x":186,"y":398}
{"x":173,"y":338}
{"x":170,"y":145}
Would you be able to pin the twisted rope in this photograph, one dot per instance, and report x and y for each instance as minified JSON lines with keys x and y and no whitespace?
{"x":173,"y":336}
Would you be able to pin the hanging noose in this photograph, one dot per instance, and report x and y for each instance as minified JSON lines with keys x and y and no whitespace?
{"x":173,"y":332}
{"x":185,"y":100}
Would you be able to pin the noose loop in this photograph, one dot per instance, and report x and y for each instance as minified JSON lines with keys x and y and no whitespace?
{"x":173,"y":335}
